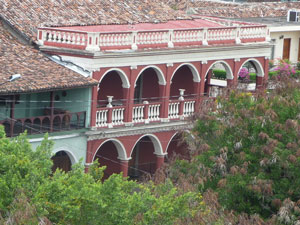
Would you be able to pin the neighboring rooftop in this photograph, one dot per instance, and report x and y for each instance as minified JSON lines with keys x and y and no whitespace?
{"x":233,"y":10}
{"x":28,"y":15}
{"x":38,"y":73}
{"x":275,"y":24}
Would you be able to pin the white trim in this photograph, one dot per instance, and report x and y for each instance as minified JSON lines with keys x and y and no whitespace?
{"x":176,"y":55}
{"x":121,"y":73}
{"x":229,"y":74}
{"x":196,"y":76}
{"x":284,"y":29}
{"x":258,"y":67}
{"x":70,"y":154}
{"x":159,"y":73}
{"x":122,"y":154}
{"x":156,"y":143}
{"x":33,"y":140}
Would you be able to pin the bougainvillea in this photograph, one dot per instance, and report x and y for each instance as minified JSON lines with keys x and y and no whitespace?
{"x":244,"y":74}
{"x":285,"y":68}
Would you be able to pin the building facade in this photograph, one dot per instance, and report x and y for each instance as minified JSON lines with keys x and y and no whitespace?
{"x":152,"y":78}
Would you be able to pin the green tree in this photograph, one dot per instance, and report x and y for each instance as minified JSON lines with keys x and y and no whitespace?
{"x":30,"y":193}
{"x":249,"y":152}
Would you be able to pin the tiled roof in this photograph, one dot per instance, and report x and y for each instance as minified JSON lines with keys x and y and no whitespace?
{"x":38,"y":72}
{"x":234,"y":10}
{"x":27,"y":15}
{"x":182,"y":24}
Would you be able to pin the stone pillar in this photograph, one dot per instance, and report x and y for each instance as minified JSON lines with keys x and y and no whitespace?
{"x":166,"y":93}
{"x":124,"y":167}
{"x":230,"y":83}
{"x":94,"y":107}
{"x":160,"y":159}
{"x":130,"y":97}
{"x":197,"y":92}
{"x":237,"y":65}
{"x":259,"y":82}
{"x":207,"y":85}
{"x":86,"y":167}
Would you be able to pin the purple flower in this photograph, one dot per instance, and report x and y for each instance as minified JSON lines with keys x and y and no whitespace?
{"x":243,"y":73}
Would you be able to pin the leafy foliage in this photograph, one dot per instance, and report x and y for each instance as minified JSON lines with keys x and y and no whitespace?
{"x":31,"y":194}
{"x":249,"y":153}
{"x":219,"y":74}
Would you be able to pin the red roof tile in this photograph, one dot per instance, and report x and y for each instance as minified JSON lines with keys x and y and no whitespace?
{"x":27,"y":15}
{"x":38,"y":72}
{"x":235,"y":10}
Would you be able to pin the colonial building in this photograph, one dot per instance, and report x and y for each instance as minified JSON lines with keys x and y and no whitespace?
{"x":151,"y":78}
{"x":152,"y":74}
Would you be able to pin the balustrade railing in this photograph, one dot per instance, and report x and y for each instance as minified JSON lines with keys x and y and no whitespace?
{"x":221,"y":34}
{"x":188,"y":108}
{"x":144,"y":113}
{"x":109,"y":117}
{"x":138,"y":114}
{"x":101,"y":118}
{"x":43,"y":124}
{"x":154,"y":112}
{"x":174,"y":110}
{"x":95,"y":41}
{"x":253,"y":32}
{"x":117,"y":116}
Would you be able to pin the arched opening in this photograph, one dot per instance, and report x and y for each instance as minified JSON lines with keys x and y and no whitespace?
{"x":218,"y":76}
{"x":61,"y":160}
{"x":183,"y":78}
{"x":177,"y":147}
{"x":147,"y":86}
{"x":46,"y":124}
{"x":143,"y":159}
{"x":251,"y":73}
{"x":112,"y":85}
{"x":108,"y":155}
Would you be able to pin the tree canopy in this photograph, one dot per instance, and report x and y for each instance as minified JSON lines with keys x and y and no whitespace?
{"x":248,"y":152}
{"x":31,"y":194}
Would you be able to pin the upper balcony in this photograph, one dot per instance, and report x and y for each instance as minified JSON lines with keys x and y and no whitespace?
{"x":204,"y":31}
{"x":43,"y":112}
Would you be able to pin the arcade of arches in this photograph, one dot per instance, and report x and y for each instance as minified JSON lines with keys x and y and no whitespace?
{"x":137,"y":86}
{"x":143,"y":156}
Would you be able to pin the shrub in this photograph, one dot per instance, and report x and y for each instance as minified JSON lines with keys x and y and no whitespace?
{"x":219,"y":74}
{"x":297,"y":74}
{"x":285,"y":68}
{"x":298,"y":65}
{"x":252,"y":77}
{"x":272,"y":74}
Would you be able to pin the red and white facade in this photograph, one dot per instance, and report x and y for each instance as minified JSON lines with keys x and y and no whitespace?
{"x":152,"y":79}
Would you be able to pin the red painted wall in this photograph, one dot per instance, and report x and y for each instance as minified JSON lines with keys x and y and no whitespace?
{"x":107,"y":155}
{"x":111,"y":84}
{"x":150,"y":85}
{"x":182,"y":79}
{"x":146,"y":157}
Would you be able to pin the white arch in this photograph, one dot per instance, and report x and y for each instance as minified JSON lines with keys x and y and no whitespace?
{"x":258,"y":67}
{"x":229,"y":74}
{"x":70,"y":154}
{"x":187,"y":131}
{"x":159,"y":73}
{"x":121,"y":73}
{"x":196,"y":76}
{"x":156,"y":143}
{"x":122,"y":155}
